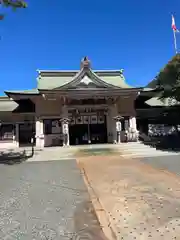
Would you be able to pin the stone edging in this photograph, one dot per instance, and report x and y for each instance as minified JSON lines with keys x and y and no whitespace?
{"x":103,"y":218}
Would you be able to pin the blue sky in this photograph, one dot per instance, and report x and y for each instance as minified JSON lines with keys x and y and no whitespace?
{"x":133,"y":35}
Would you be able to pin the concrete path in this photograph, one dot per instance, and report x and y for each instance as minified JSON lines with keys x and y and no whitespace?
{"x":46,"y":200}
{"x":140,"y":202}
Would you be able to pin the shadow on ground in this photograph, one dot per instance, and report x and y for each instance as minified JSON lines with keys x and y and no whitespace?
{"x":96,"y":152}
{"x":86,"y":223}
{"x":169,"y":143}
{"x":11,"y":157}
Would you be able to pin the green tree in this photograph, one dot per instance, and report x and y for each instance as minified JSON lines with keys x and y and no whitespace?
{"x":168,"y":83}
{"x":168,"y":80}
{"x":13,"y":4}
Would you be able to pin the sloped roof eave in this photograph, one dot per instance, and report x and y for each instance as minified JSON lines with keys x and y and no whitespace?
{"x":89,"y":90}
{"x":15,"y":93}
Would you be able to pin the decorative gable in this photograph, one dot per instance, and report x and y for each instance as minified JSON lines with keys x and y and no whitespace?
{"x":86,"y":78}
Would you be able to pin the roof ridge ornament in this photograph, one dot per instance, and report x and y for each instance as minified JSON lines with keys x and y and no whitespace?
{"x":85,"y":62}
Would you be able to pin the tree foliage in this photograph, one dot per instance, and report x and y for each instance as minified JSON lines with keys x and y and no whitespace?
{"x":13,"y":4}
{"x":168,"y":80}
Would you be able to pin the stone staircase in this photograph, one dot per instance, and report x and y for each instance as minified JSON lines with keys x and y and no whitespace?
{"x":53,"y":153}
{"x":127,"y":150}
{"x":138,"y":149}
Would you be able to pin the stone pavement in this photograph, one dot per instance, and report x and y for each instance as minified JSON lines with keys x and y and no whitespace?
{"x":46,"y":201}
{"x":165,"y":163}
{"x":140,"y":202}
{"x":136,"y":201}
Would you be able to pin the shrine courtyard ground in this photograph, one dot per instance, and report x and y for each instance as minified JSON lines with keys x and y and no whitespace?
{"x":90,"y":195}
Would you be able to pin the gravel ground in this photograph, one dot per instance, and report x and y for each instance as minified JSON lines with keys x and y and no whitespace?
{"x":47,"y":201}
{"x":169,"y":163}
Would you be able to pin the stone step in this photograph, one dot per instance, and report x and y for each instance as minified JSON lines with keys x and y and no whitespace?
{"x":136,"y":155}
{"x":138,"y":147}
{"x":137,"y":151}
{"x":148,"y":154}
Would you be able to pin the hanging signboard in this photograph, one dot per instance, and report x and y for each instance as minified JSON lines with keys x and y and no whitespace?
{"x":73,"y":121}
{"x":86,"y":119}
{"x":94,"y":119}
{"x":118,"y":126}
{"x":65,"y":128}
{"x":79,"y":120}
{"x":100,"y":119}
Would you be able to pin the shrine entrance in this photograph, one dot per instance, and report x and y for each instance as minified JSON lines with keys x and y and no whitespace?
{"x":98,"y":133}
{"x":88,"y":129}
{"x":78,"y":134}
{"x":26,"y":133}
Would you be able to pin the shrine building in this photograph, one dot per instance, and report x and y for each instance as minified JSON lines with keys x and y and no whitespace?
{"x":82,"y":106}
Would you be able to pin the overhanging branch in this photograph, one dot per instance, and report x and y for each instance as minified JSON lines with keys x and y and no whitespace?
{"x":13,"y":3}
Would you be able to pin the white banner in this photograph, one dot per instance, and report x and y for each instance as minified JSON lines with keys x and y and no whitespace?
{"x":118,"y":126}
{"x":65,"y":128}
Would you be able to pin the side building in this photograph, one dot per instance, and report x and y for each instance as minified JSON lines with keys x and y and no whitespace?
{"x":70,"y":108}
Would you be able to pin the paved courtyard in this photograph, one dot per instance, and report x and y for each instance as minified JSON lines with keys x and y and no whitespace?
{"x":165,"y":163}
{"x":53,"y":195}
{"x":46,"y":201}
{"x":140,"y":201}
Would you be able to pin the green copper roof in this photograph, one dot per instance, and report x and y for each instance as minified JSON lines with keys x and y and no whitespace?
{"x":56,"y":79}
{"x":118,"y":81}
{"x":7,"y":105}
{"x":52,"y":82}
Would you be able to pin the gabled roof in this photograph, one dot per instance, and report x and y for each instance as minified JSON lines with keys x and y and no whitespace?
{"x":69,"y":80}
{"x":52,"y":80}
{"x":86,"y":77}
{"x":49,"y":80}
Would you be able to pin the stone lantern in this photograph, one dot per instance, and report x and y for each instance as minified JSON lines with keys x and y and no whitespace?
{"x":65,"y":130}
{"x":118,"y":127}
